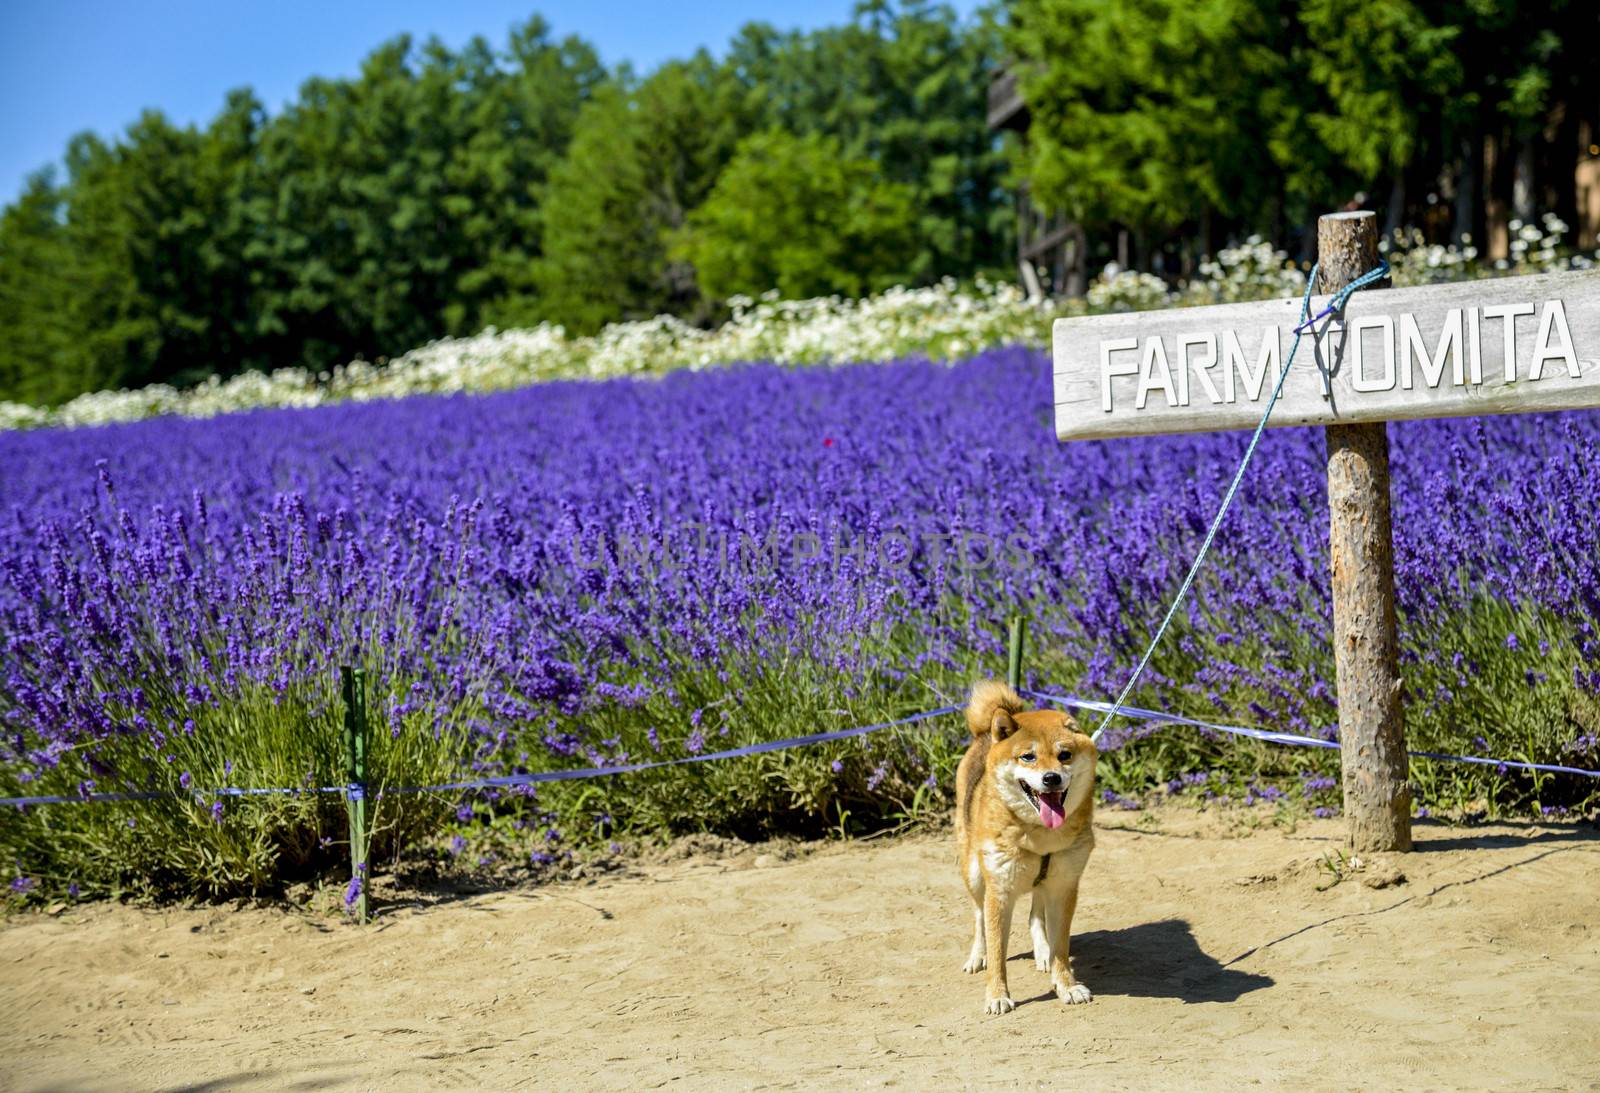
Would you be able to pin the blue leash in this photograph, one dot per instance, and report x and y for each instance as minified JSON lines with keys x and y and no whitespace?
{"x":1295,"y":739}
{"x":535,"y":778}
{"x":356,"y":792}
{"x":1307,"y":322}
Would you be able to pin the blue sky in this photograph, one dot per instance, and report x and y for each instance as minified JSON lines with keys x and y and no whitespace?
{"x":71,"y":65}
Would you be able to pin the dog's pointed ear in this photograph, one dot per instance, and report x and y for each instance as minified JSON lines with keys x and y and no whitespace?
{"x":1002,"y":726}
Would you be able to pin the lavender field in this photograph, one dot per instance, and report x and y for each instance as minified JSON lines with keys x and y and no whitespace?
{"x":592,"y":573}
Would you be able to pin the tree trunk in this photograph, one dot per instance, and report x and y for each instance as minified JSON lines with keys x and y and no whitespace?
{"x":1078,"y":266}
{"x":1395,"y":216}
{"x":1499,"y":183}
{"x":1372,"y":746}
{"x":1525,"y":182}
{"x":1565,"y":153}
{"x":1468,"y":172}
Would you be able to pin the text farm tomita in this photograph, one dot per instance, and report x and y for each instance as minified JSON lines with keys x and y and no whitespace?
{"x":1482,"y":347}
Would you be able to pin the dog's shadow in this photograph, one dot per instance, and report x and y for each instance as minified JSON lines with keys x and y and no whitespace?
{"x":1155,"y":960}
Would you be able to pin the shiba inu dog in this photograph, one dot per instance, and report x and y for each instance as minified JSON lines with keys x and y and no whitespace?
{"x":1024,"y":802}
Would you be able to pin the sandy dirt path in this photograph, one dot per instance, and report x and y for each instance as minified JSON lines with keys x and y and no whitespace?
{"x":1214,"y":960}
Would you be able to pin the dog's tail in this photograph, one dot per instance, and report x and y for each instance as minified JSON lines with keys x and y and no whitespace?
{"x":989,"y":697}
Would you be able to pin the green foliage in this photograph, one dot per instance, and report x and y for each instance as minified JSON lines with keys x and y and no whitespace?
{"x":1376,"y":65}
{"x":1156,"y":115}
{"x":401,"y":206}
{"x":1146,"y":112}
{"x":441,"y":191}
{"x":1495,"y":701}
{"x":641,"y":158}
{"x":38,"y":355}
{"x":799,"y":215}
{"x":116,"y":277}
{"x":907,"y":87}
{"x":900,"y":88}
{"x":372,"y":215}
{"x":183,"y":844}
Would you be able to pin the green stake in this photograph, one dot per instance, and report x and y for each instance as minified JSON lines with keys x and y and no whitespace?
{"x":354,"y":685}
{"x":1019,"y":635}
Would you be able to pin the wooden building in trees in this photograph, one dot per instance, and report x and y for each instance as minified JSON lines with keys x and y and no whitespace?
{"x":1051,"y":250}
{"x":1475,"y":191}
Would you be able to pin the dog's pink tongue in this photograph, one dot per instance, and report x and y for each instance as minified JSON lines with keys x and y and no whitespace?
{"x":1050,"y":809}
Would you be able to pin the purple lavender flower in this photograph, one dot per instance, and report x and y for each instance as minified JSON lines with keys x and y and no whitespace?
{"x":1311,"y":784}
{"x":256,"y":552}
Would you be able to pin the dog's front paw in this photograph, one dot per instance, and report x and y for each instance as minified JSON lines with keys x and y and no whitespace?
{"x":1003,"y":1004}
{"x":1041,"y":961}
{"x":974,"y":964}
{"x":1075,"y":995}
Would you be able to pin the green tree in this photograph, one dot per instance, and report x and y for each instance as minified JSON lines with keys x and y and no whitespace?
{"x":140,"y":215}
{"x":642,"y":156}
{"x":798,"y":215}
{"x":1147,"y":113}
{"x":403,"y":205}
{"x":906,"y":86}
{"x":38,"y":357}
{"x":525,"y":133}
{"x":1156,"y":115}
{"x":1379,"y":67}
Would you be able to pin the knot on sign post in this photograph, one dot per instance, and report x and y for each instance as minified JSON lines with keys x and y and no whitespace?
{"x":1336,"y":305}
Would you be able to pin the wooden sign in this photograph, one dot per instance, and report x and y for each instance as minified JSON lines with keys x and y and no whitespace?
{"x":1504,"y":345}
{"x":1478,"y":347}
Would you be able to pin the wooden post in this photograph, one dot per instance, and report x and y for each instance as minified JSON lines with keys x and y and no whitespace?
{"x":1372,"y":737}
{"x":354,"y":685}
{"x":1019,"y":634}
